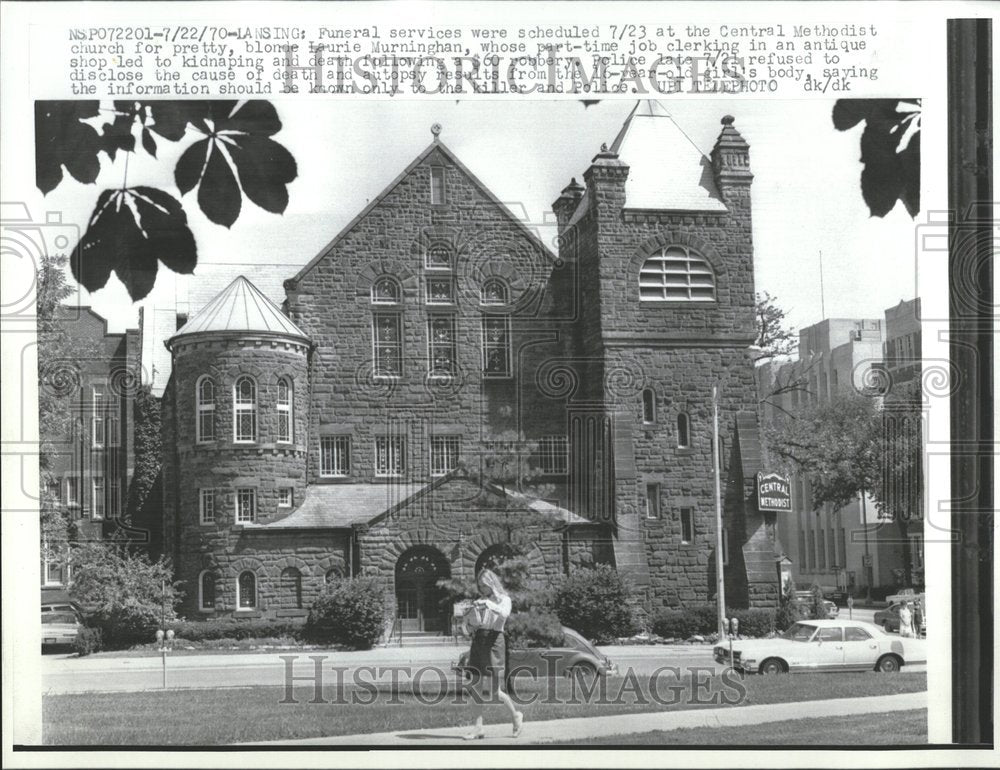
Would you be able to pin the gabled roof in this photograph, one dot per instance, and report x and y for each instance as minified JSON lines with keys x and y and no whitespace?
{"x":240,"y":308}
{"x":666,"y":170}
{"x":435,"y":146}
{"x":340,"y":506}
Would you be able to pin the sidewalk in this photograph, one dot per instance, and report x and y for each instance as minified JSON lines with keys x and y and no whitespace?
{"x":620,"y":724}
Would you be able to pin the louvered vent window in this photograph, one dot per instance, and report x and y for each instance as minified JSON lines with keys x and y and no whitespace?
{"x":676,"y":274}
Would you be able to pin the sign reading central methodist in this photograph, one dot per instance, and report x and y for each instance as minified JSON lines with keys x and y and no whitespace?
{"x":349,"y":431}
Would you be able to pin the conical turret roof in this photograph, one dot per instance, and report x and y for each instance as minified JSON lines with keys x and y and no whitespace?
{"x":667,"y":171}
{"x":240,"y":308}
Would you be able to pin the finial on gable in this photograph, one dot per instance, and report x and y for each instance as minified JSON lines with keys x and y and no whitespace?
{"x":436,"y":131}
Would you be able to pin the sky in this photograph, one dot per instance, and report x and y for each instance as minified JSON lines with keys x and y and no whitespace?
{"x":806,"y":194}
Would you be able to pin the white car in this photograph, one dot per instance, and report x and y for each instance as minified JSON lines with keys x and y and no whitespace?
{"x":824,"y":645}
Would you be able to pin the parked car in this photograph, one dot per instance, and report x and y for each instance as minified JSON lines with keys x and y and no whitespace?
{"x":825,"y":645}
{"x":60,"y":624}
{"x":574,"y":656}
{"x":806,"y":600}
{"x":888,"y":619}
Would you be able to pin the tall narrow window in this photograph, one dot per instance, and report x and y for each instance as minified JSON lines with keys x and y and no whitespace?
{"x":652,"y":501}
{"x":444,"y":454}
{"x":496,"y":346}
{"x":821,"y":535}
{"x":335,"y":456}
{"x":246,"y":505}
{"x":97,"y":415}
{"x":206,"y":506}
{"x":390,"y":455}
{"x":676,"y":274}
{"x":388,"y":344}
{"x":648,"y":406}
{"x":683,"y":431}
{"x":284,"y":410}
{"x":437,"y":185}
{"x":441,"y":350}
{"x":72,"y":490}
{"x":206,"y":590}
{"x":112,"y":422}
{"x":291,"y":588}
{"x":687,"y":525}
{"x":98,"y":501}
{"x":246,"y":591}
{"x":245,"y":410}
{"x":205,"y":426}
{"x":803,"y":553}
{"x":114,"y":497}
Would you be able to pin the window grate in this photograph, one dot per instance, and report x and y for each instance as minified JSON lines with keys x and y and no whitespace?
{"x":676,"y":274}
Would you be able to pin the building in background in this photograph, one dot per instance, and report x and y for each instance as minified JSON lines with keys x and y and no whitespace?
{"x":855,"y":547}
{"x":92,"y":460}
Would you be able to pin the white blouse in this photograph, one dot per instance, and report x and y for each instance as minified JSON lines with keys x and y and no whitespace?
{"x":491,"y":616}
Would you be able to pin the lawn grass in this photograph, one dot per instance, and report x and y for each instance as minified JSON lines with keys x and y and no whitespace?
{"x":232,"y":715}
{"x":891,"y":728}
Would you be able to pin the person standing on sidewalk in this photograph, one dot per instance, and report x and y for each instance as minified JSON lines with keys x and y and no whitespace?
{"x":487,"y":656}
{"x":905,"y":620}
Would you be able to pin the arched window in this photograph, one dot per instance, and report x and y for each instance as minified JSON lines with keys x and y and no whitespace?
{"x":206,"y":590}
{"x":205,"y":396}
{"x":494,"y":556}
{"x":648,"y":406}
{"x":333,"y":576}
{"x":683,"y":431}
{"x":245,"y":410}
{"x":285,"y":410}
{"x":246,"y":591}
{"x":291,"y":589}
{"x":494,"y":292}
{"x":676,"y":274}
{"x":386,"y":291}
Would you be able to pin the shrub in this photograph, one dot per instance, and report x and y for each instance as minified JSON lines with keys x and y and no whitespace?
{"x":685,"y":622}
{"x":123,"y":593}
{"x":88,"y":640}
{"x":235,"y":628}
{"x":595,"y":602}
{"x":790,"y":611}
{"x":533,"y":628}
{"x":352,"y":613}
{"x":817,"y":609}
{"x":756,"y":621}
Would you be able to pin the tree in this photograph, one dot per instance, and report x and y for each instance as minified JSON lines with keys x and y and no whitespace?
{"x":595,"y":602}
{"x":123,"y":593}
{"x":837,"y":444}
{"x":774,"y":339}
{"x":890,"y":150}
{"x":134,"y":228}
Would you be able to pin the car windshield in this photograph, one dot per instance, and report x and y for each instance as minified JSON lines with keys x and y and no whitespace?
{"x":799,"y":632}
{"x":58,"y":617}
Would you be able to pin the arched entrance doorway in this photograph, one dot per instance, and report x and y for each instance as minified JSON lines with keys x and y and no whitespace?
{"x":419,"y":601}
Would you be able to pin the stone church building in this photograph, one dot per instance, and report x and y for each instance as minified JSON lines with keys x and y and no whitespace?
{"x":439,"y":390}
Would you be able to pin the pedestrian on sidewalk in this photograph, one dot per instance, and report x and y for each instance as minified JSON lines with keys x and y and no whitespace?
{"x":487,"y":656}
{"x":905,"y":620}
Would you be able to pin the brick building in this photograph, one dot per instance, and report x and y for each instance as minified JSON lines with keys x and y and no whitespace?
{"x":440,"y":390}
{"x":92,"y":458}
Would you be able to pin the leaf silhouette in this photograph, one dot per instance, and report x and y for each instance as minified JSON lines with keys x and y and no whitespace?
{"x":63,"y":140}
{"x":890,"y":150}
{"x":171,"y":119}
{"x":128,"y":233}
{"x":237,"y":137}
{"x":117,"y":135}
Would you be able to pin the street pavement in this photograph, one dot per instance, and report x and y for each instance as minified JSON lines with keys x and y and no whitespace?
{"x":69,"y":674}
{"x":568,"y":730}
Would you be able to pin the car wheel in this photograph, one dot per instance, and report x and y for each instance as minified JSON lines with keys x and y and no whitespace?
{"x":887,"y":627}
{"x":584,"y":673}
{"x":888,"y":664}
{"x":773,"y":666}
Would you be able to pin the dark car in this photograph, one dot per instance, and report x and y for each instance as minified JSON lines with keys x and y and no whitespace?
{"x":573,"y":656}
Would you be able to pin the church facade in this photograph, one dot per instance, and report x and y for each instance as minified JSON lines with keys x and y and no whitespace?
{"x":440,"y":390}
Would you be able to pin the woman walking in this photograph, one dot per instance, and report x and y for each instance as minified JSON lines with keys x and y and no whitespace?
{"x":486,"y":657}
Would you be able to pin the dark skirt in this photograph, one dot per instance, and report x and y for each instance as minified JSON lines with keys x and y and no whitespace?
{"x":487,"y":656}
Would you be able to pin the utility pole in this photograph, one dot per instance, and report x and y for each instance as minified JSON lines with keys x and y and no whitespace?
{"x":719,"y":573}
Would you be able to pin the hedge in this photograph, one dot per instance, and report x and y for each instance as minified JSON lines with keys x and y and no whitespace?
{"x":352,"y":613}
{"x":88,"y":640}
{"x":533,"y":628}
{"x":235,"y":628}
{"x":595,"y":602}
{"x":702,"y":620}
